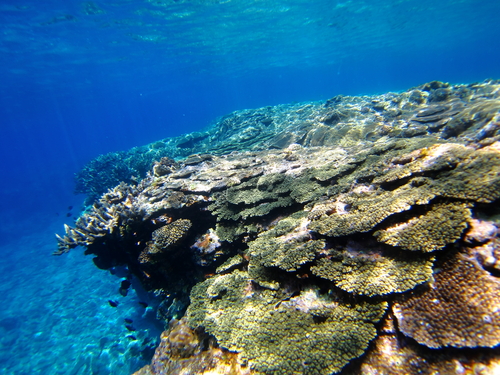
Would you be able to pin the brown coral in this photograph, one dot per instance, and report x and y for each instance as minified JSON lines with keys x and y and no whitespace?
{"x":391,"y":354}
{"x":183,"y":350}
{"x":460,"y":309}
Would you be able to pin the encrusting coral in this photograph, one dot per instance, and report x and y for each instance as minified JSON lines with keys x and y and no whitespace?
{"x":294,"y":230}
{"x":183,"y":350}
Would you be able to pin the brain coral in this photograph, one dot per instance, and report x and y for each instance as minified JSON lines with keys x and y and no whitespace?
{"x":307,"y":334}
{"x":441,"y":225}
{"x":371,"y":272}
{"x":460,"y":309}
{"x":170,"y":234}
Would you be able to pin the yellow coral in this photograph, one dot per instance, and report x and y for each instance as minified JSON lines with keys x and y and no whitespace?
{"x":441,"y":225}
{"x":375,"y":274}
{"x":310,"y":333}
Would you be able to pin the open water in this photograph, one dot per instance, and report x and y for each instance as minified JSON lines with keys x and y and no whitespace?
{"x":83,"y":78}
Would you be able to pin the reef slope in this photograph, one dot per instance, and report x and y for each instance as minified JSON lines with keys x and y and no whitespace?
{"x":357,"y":235}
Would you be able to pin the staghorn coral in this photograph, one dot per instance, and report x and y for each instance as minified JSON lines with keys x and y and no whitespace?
{"x":443,"y":224}
{"x":310,"y":333}
{"x":460,"y":309}
{"x":103,"y":218}
{"x":366,"y":270}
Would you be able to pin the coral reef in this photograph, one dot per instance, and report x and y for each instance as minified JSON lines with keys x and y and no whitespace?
{"x":468,"y":111}
{"x":294,"y":234}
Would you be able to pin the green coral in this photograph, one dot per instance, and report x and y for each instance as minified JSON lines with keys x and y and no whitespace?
{"x":361,"y":211}
{"x":441,"y":225}
{"x":287,"y":246}
{"x":254,"y":198}
{"x":374,"y":274}
{"x":308,"y":334}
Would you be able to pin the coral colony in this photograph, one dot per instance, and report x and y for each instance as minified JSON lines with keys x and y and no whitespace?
{"x":355,"y":236}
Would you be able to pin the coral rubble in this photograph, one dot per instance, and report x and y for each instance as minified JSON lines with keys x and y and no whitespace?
{"x":296,"y":235}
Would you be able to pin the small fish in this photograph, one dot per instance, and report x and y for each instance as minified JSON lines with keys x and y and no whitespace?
{"x":130,"y":327}
{"x":129,"y":321}
{"x":112,"y":303}
{"x":70,"y":208}
{"x":132,"y":337}
{"x":69,"y":214}
{"x":143,"y":304}
{"x":125,"y":284}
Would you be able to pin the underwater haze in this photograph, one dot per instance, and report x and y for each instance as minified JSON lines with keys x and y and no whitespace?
{"x":84,"y":78}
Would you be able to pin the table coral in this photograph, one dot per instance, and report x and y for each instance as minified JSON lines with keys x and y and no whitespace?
{"x":287,"y":246}
{"x":309,"y":334}
{"x":361,"y":211}
{"x":371,"y":272}
{"x":443,"y":224}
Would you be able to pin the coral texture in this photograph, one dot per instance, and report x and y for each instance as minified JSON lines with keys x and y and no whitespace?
{"x":460,"y":308}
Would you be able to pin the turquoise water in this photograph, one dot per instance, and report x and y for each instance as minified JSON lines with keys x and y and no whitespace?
{"x":83,"y":78}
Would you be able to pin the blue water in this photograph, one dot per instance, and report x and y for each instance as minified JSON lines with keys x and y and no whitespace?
{"x":82,"y":78}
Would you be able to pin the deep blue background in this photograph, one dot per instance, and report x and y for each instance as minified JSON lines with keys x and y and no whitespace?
{"x":76,"y":84}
